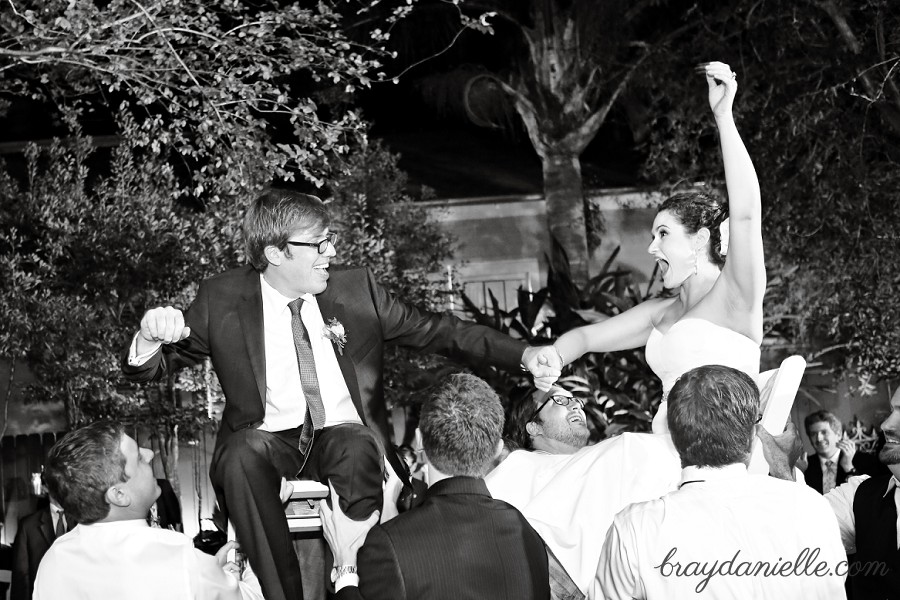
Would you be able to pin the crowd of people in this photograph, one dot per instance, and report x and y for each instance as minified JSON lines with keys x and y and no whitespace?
{"x":298,"y":346}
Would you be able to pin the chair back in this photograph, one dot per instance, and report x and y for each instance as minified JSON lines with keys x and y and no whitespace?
{"x":778,"y":388}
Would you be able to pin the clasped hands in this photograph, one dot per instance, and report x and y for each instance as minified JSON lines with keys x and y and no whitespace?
{"x":545,"y":365}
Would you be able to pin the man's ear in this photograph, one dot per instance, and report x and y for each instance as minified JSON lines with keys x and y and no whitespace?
{"x":533,"y":429}
{"x":116,"y":496}
{"x":500,"y":446}
{"x":417,"y":443}
{"x":273,"y":255}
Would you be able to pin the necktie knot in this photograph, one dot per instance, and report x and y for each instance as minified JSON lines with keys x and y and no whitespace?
{"x":295,"y":306}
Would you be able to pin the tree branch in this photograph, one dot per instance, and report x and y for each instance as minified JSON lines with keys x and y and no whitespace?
{"x":176,"y":55}
{"x":890,"y":111}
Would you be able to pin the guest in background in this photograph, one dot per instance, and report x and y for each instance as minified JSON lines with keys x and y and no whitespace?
{"x":36,"y":534}
{"x":836,"y":458}
{"x":866,"y":509}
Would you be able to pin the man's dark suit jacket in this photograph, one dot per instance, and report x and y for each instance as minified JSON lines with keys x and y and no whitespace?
{"x":226,"y":321}
{"x":33,"y":539}
{"x":168,"y":507}
{"x":459,"y":544}
{"x":813,"y":473}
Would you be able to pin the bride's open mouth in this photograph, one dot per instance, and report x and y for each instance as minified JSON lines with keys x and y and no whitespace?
{"x":663,"y":265}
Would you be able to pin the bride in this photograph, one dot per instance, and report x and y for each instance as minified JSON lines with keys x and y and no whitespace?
{"x":716,"y":316}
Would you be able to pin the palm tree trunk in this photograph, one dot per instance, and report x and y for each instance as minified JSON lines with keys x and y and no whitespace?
{"x":564,"y":194}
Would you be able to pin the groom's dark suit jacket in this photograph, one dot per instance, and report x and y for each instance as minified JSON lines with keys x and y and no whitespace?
{"x":226,"y":321}
{"x":460,"y":543}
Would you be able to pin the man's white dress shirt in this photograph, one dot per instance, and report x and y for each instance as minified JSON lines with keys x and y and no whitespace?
{"x":666,"y":548}
{"x":841,"y":500}
{"x":129,"y":559}
{"x":285,"y":403}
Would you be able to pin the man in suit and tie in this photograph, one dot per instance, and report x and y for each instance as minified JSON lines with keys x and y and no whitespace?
{"x":866,"y":509}
{"x":835,"y":456}
{"x":36,"y":534}
{"x":460,"y":542}
{"x":298,"y":346}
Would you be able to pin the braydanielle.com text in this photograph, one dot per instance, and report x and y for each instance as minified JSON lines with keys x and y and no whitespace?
{"x":806,"y":564}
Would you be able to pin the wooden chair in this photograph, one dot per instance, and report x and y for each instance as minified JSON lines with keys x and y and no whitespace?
{"x":778,"y":388}
{"x":303,"y":508}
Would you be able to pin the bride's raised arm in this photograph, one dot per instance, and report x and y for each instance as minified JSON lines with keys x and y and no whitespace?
{"x":744,"y":273}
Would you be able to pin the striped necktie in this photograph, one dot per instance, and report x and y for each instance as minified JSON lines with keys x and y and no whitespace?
{"x":315,"y":409}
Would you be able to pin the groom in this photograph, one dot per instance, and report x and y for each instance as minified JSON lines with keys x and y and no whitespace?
{"x":298,"y":346}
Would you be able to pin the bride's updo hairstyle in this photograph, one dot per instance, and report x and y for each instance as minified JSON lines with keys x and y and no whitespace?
{"x":695,"y":210}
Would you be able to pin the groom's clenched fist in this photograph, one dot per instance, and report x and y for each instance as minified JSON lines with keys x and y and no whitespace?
{"x":161,"y":325}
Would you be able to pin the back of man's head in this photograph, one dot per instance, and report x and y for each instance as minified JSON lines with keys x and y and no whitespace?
{"x":461,"y":425}
{"x":82,"y":466}
{"x":712,"y":412}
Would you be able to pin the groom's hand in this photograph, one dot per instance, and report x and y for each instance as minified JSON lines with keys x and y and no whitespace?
{"x":544,"y":363}
{"x":162,"y":325}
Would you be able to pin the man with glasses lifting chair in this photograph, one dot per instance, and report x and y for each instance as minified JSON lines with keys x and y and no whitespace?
{"x":552,"y":422}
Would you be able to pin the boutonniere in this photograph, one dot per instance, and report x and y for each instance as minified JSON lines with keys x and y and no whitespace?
{"x":335,"y":333}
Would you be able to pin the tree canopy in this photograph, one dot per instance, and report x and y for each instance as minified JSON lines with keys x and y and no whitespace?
{"x":209,"y":84}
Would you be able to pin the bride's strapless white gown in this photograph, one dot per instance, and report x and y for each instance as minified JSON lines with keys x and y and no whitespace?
{"x":691,"y":343}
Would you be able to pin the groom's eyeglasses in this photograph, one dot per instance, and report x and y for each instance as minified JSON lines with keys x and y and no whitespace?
{"x":557,"y":399}
{"x":322,"y":247}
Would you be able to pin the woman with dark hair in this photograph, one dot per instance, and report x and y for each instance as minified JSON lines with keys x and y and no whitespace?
{"x":715,"y":315}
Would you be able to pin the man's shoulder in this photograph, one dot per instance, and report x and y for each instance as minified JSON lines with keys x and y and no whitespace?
{"x":645,"y":511}
{"x":32,"y":519}
{"x":341,"y":274}
{"x":231,"y":275}
{"x":436,"y":509}
{"x":766,"y":484}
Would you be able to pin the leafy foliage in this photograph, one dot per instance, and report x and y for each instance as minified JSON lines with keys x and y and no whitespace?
{"x":208,"y":84}
{"x":82,"y":254}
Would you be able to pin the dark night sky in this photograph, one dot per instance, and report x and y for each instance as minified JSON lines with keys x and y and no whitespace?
{"x":439,"y":146}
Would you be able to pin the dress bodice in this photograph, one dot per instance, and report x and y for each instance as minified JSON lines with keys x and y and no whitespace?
{"x":694,"y":342}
